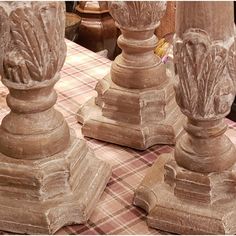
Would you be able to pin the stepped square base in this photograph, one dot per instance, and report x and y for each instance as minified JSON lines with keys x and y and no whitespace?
{"x":130,"y":117}
{"x":41,"y":196}
{"x":170,"y":213}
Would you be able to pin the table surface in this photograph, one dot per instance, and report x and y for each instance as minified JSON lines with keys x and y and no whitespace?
{"x":114,"y":213}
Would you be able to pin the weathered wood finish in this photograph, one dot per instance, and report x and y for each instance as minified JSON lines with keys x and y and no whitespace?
{"x":135,"y":106}
{"x":48,"y":177}
{"x":192,"y":191}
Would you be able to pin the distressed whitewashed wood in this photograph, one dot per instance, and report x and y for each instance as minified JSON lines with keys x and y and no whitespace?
{"x":48,"y":177}
{"x":135,"y":106}
{"x":192,"y":190}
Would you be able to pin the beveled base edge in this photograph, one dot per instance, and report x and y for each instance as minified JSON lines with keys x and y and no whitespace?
{"x":140,"y":137}
{"x":168,"y":213}
{"x":145,"y":195}
{"x":73,"y":207}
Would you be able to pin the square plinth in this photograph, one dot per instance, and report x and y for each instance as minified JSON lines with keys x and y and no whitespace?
{"x":173,"y":214}
{"x":41,"y":196}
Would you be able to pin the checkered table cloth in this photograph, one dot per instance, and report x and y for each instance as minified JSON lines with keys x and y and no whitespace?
{"x":114,"y":213}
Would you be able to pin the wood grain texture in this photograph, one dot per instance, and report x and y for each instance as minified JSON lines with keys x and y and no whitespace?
{"x":59,"y":190}
{"x":186,"y":202}
{"x":135,"y":106}
{"x":48,"y":177}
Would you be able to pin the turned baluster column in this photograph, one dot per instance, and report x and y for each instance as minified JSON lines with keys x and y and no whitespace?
{"x":33,"y":129}
{"x":48,"y":177}
{"x":137,"y":67}
{"x":135,"y":106}
{"x":192,"y":190}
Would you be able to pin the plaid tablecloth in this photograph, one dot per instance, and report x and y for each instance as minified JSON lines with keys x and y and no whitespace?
{"x":114,"y":213}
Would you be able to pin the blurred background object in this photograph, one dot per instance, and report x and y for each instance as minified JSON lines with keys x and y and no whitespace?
{"x":70,"y":5}
{"x":97,"y":30}
{"x":72,"y":26}
{"x":72,"y":21}
{"x":165,"y":33}
{"x":167,"y":24}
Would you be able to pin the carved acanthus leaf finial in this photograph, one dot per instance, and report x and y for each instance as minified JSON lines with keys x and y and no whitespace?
{"x":137,"y":14}
{"x":36,"y":50}
{"x":205,"y":89}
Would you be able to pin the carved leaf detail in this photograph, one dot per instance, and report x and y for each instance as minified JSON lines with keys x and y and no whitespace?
{"x":232,"y":62}
{"x":137,"y":14}
{"x":211,"y":73}
{"x":201,"y":66}
{"x":37,"y":50}
{"x":5,"y":33}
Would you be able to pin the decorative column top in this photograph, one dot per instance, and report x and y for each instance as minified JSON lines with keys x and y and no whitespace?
{"x":205,"y":89}
{"x":204,"y":59}
{"x":36,"y":49}
{"x":34,"y":54}
{"x":137,"y":15}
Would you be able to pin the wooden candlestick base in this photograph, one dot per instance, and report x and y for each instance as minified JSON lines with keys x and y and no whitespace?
{"x":132,"y":117}
{"x":40,"y":196}
{"x":135,"y":106}
{"x":192,"y":191}
{"x":174,"y":209}
{"x":48,"y":177}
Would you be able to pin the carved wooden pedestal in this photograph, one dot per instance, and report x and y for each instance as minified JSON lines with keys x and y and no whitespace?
{"x":48,"y":177}
{"x":192,"y":191}
{"x":135,"y":106}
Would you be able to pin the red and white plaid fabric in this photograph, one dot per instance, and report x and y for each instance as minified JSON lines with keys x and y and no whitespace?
{"x":114,"y":213}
